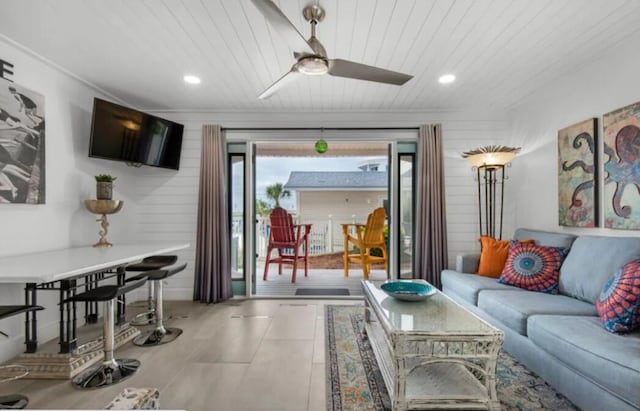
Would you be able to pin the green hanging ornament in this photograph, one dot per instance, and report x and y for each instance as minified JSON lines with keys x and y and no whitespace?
{"x":321,"y":146}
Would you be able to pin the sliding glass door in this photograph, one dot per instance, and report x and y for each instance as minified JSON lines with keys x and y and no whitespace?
{"x":319,"y":200}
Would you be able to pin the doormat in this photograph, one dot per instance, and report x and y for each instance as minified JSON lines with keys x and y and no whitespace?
{"x":354,"y":381}
{"x":322,"y":291}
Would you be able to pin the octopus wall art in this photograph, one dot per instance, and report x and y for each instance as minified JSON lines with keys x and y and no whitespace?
{"x":577,"y":175}
{"x":622,"y":168}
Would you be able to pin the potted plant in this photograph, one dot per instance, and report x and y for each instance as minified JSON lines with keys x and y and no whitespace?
{"x":104,"y":186}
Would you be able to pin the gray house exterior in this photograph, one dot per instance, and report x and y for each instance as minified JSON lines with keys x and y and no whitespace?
{"x":344,"y":195}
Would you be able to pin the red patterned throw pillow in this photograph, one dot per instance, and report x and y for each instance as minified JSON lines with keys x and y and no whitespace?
{"x":619,"y":302}
{"x":533,"y":267}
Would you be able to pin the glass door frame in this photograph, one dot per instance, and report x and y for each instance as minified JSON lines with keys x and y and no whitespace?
{"x":395,"y":137}
{"x":406,"y":149}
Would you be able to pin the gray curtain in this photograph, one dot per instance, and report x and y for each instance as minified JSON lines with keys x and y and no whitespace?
{"x":431,"y":243}
{"x":213,"y":273}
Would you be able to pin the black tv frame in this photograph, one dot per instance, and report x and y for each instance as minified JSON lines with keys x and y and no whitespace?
{"x":146,"y":117}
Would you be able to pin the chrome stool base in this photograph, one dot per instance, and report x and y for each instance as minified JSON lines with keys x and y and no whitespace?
{"x":101,"y":375}
{"x":157,"y":337}
{"x":145,"y":318}
{"x":13,"y":402}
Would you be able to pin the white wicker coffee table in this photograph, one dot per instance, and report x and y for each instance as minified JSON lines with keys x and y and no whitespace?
{"x":433,"y":354}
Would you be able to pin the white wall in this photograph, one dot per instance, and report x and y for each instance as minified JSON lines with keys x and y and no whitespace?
{"x":168,"y":202}
{"x":62,"y":221}
{"x":609,"y":83}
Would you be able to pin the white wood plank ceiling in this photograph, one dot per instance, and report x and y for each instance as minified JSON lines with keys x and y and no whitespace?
{"x":500,"y":50}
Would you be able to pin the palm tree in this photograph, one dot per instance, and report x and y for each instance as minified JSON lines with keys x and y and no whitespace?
{"x":276,"y":192}
{"x":262,"y":208}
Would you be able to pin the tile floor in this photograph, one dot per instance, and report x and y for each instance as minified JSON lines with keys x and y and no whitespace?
{"x":239,"y":355}
{"x":281,"y":285}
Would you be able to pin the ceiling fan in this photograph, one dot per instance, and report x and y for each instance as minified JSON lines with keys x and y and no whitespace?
{"x":311,"y":57}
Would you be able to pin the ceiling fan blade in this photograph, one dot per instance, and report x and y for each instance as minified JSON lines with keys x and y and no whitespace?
{"x":345,"y":68}
{"x":282,"y":25}
{"x":283,"y":81}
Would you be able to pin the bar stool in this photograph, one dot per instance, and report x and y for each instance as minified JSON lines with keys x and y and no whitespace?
{"x":14,"y":401}
{"x":155,"y":262}
{"x":110,"y":371}
{"x":160,"y":334}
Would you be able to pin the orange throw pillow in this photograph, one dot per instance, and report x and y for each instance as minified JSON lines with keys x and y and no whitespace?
{"x":494,"y":256}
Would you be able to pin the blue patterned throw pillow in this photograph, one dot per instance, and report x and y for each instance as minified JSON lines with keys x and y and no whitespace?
{"x":619,"y":302}
{"x":533,"y":267}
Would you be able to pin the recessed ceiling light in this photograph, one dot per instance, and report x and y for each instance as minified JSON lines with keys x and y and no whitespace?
{"x":447,"y":78}
{"x":191,"y":79}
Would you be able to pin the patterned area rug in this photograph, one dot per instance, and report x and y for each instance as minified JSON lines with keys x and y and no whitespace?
{"x":354,"y":381}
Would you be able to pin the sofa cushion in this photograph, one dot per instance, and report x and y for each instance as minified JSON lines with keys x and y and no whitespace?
{"x":610,"y":360}
{"x":514,"y":307}
{"x":467,"y":286}
{"x":533,"y":267}
{"x":592,"y":261}
{"x":619,"y":301}
{"x":547,"y":238}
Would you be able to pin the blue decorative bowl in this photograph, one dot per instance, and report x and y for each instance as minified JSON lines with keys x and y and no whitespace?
{"x":408,"y":290}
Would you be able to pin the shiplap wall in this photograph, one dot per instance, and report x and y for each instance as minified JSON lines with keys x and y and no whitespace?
{"x":168,"y":200}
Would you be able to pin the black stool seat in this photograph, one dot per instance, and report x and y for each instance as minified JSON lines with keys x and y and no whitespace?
{"x":137,"y":277}
{"x":11,"y":310}
{"x":162,"y":274}
{"x":107,"y":292}
{"x":153,"y":263}
{"x":15,"y":401}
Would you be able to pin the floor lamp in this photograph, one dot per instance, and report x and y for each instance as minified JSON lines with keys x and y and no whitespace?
{"x":489,"y":163}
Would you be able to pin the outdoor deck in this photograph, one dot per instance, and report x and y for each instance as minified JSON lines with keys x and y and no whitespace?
{"x":280,"y":285}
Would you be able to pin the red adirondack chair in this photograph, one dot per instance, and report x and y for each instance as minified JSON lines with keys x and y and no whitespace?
{"x":288,"y":239}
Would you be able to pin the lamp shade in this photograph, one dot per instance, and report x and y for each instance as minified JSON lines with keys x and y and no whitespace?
{"x":491,"y":156}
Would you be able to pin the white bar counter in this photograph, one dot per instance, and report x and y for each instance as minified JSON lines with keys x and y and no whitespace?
{"x":55,"y":265}
{"x":60,"y":271}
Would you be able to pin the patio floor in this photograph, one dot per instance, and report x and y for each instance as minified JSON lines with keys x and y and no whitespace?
{"x":280,"y":285}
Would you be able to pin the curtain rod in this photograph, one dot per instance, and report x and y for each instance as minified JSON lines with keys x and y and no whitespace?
{"x":317,"y":128}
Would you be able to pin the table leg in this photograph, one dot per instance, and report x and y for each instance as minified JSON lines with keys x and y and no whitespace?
{"x":400,"y":398}
{"x":31,"y":322}
{"x":91,"y":307}
{"x":67,"y":340}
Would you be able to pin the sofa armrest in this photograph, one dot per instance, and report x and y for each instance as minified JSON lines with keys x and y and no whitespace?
{"x":467,"y":263}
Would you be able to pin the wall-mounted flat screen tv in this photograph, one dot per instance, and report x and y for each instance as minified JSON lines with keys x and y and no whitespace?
{"x":124,"y":134}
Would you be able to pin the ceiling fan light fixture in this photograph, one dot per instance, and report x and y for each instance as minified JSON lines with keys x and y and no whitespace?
{"x":312,"y":66}
{"x":311,"y":56}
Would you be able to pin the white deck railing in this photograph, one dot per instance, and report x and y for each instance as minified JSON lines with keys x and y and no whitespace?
{"x":325,"y":237}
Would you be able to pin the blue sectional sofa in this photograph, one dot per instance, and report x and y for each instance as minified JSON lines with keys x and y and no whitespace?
{"x":560,"y":337}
